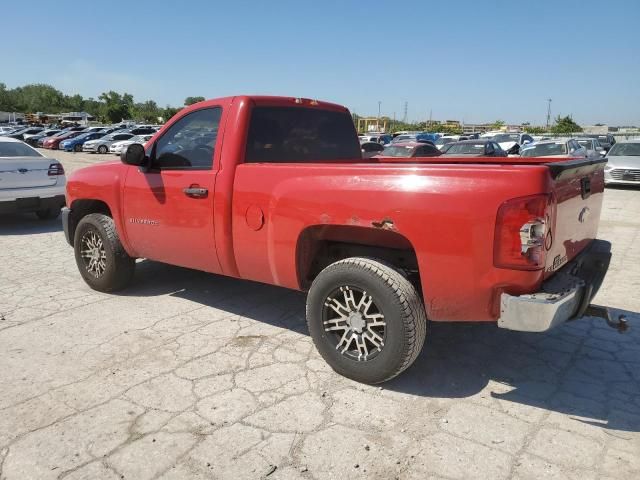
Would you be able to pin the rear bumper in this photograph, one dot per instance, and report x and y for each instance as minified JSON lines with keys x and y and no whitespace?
{"x":563,"y":297}
{"x":32,"y":204}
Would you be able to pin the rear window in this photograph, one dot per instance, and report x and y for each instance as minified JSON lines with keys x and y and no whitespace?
{"x":544,"y":150}
{"x":15,"y":149}
{"x":398,"y":151}
{"x":299,"y":134}
{"x":467,"y":149}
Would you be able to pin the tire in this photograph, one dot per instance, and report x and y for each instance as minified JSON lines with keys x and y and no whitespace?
{"x":394,"y":302}
{"x":102,"y":149}
{"x":112,"y":268}
{"x":48,"y":213}
{"x":77,"y":148}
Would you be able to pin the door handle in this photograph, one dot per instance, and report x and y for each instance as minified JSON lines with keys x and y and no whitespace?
{"x":195,"y":192}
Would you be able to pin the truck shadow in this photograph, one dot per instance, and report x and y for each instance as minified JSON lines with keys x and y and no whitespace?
{"x":585,"y":369}
{"x":27,"y":224}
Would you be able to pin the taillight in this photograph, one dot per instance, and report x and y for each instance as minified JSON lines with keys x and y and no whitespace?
{"x":56,"y":169}
{"x":522,"y":225}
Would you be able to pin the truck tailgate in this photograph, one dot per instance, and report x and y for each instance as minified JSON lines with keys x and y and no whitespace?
{"x":577,"y":191}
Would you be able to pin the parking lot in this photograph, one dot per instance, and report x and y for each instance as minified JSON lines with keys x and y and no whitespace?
{"x":191,"y":375}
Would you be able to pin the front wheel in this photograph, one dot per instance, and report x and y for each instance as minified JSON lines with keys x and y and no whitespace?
{"x":102,"y":149}
{"x":102,"y":260}
{"x":77,"y":148}
{"x":366,"y":319}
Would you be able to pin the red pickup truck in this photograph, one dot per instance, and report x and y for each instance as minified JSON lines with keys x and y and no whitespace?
{"x":275,"y":190}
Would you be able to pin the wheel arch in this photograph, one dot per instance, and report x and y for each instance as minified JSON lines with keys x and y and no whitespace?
{"x":83,"y":207}
{"x":319,"y":246}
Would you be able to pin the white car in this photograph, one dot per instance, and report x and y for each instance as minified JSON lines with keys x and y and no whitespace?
{"x":118,"y":147}
{"x":30,"y":182}
{"x":558,"y":148}
{"x":510,"y":142}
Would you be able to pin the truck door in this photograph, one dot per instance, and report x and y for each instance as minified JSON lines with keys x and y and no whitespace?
{"x":168,"y":208}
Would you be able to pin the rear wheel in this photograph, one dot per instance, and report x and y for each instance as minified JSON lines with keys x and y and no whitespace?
{"x":48,"y":213}
{"x":102,"y":260}
{"x":102,"y":149}
{"x":366,"y":319}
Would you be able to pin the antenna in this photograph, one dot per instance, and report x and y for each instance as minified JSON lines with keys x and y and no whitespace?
{"x":548,"y":112}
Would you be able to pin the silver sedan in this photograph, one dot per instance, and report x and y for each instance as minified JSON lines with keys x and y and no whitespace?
{"x":623,"y":166}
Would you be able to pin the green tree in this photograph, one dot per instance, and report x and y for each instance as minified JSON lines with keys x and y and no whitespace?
{"x":147,"y":111}
{"x":191,"y":100}
{"x":169,"y":112}
{"x":498,"y":124}
{"x":533,"y":130}
{"x":565,"y":125}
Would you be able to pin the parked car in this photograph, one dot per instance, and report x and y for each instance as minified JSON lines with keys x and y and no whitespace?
{"x":623,"y":166}
{"x":19,"y":135}
{"x":33,"y":139}
{"x":370,"y":149}
{"x":29,"y":182}
{"x":474,"y":148}
{"x":510,"y":142}
{"x":416,"y":137}
{"x":117,"y":147}
{"x":75,"y":144}
{"x":410,"y":149}
{"x":108,"y":130}
{"x":606,"y":140}
{"x":379,"y":247}
{"x":140,"y":130}
{"x":101,"y":145}
{"x":593,"y":147}
{"x":558,"y":147}
{"x":7,"y":129}
{"x":382,"y":138}
{"x":442,"y":141}
{"x":53,"y":142}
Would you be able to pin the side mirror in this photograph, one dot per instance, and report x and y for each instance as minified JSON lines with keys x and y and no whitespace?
{"x":526,"y":142}
{"x":134,"y":155}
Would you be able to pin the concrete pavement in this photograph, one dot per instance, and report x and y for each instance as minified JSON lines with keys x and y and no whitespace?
{"x":189,"y":375}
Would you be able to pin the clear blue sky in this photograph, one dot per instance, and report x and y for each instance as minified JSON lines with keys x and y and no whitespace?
{"x":467,"y":60}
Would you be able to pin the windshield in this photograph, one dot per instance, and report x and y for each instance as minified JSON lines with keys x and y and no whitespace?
{"x":544,"y":150}
{"x":588,"y":144}
{"x":506,"y":137}
{"x":444,"y":141}
{"x":398,"y":151}
{"x":625,"y":149}
{"x":466,"y":149}
{"x":16,"y":149}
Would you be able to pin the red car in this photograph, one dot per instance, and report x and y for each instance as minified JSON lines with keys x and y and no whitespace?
{"x":380,"y":245}
{"x":53,"y":143}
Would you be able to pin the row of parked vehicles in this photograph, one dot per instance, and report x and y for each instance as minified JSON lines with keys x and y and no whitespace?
{"x":623,"y":158}
{"x":100,"y":139}
{"x":493,"y":144}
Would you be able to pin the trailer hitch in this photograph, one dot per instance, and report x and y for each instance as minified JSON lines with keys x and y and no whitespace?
{"x":620,"y":324}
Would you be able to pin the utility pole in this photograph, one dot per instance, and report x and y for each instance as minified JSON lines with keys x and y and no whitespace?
{"x":406,"y":107}
{"x":548,"y":113}
{"x":430,"y":116}
{"x":393,"y":127}
{"x":378,"y":121}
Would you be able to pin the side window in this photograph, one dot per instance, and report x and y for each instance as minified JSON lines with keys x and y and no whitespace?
{"x":490,"y":148}
{"x":190,"y":142}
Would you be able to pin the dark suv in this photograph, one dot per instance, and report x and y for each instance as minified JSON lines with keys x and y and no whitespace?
{"x":606,"y":140}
